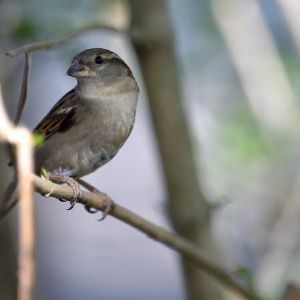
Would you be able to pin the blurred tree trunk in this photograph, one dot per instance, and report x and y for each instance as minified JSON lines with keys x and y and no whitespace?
{"x":188,"y":210}
{"x":8,"y":263}
{"x":8,"y":279}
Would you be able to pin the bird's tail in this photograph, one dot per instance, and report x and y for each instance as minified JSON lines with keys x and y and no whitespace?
{"x":9,"y":198}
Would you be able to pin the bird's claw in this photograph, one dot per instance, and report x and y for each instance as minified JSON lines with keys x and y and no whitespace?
{"x":107,"y":207}
{"x":62,"y":200}
{"x":76,"y":195}
{"x":73,"y":184}
{"x":91,"y":210}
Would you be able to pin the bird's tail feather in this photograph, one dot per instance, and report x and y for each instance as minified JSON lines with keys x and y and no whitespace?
{"x":9,"y":198}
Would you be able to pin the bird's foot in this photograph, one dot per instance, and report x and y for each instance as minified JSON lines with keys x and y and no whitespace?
{"x":62,"y":200}
{"x":107,"y":207}
{"x":108,"y":202}
{"x":72,"y":183}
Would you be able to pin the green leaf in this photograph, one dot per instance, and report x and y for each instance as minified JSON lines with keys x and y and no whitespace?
{"x":38,"y":139}
{"x":245,"y":275}
{"x":44,"y":173}
{"x":26,"y":29}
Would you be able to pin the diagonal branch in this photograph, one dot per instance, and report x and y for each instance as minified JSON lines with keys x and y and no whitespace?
{"x":180,"y":245}
{"x":56,"y":42}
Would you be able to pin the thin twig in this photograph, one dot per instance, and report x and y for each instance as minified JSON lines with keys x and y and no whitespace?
{"x":21,"y":138}
{"x":55,"y":42}
{"x":24,"y":87}
{"x":157,"y":233}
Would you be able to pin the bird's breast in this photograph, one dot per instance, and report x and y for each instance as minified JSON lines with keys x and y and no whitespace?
{"x":109,"y":127}
{"x":99,"y":131}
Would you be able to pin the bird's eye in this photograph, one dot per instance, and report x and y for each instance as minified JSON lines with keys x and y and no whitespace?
{"x":98,"y":60}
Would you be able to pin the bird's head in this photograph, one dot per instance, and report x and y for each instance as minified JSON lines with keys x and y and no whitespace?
{"x":99,"y":68}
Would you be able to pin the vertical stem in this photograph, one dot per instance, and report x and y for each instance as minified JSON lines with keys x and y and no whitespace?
{"x":24,"y":87}
{"x":26,"y":223}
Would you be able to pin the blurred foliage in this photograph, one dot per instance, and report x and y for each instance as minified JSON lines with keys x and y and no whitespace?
{"x":26,"y":29}
{"x":292,"y":67}
{"x":246,"y":276}
{"x":32,"y":20}
{"x":243,"y":150}
{"x":243,"y":140}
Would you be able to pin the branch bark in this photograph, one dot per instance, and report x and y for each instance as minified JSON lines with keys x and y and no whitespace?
{"x":59,"y":41}
{"x":184,"y":247}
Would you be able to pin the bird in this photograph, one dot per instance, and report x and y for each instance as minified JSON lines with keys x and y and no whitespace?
{"x":87,"y":127}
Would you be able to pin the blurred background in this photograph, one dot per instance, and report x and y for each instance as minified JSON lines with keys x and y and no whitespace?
{"x":214,"y":153}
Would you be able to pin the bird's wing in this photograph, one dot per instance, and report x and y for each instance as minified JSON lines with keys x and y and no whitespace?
{"x":60,"y":118}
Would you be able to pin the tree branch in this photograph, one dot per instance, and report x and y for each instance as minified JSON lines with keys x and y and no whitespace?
{"x":55,"y":42}
{"x":188,"y":250}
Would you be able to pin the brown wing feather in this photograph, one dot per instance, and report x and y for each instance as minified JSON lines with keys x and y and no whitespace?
{"x":61,"y":117}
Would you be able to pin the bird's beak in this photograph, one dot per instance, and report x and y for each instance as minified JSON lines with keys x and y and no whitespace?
{"x":78,"y":71}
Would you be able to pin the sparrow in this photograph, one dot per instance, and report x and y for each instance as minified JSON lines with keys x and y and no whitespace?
{"x":87,"y":127}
